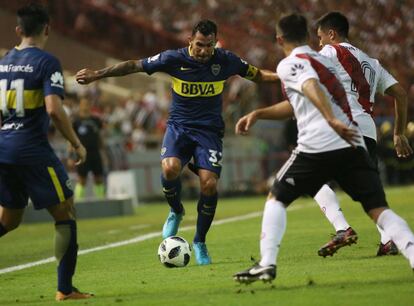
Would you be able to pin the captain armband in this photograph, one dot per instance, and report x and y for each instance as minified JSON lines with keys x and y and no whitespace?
{"x":251,"y":72}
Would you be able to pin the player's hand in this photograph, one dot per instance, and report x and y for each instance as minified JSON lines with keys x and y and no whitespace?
{"x":80,"y":152}
{"x":244,"y":123}
{"x":349,"y":134}
{"x":86,"y":76}
{"x":402,"y":146}
{"x":70,"y":164}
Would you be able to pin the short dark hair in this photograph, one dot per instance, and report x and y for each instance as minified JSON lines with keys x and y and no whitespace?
{"x":32,"y":18}
{"x":294,"y":28}
{"x":334,"y":21}
{"x":205,"y":27}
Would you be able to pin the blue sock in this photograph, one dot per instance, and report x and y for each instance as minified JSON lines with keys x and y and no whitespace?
{"x":66,"y":252}
{"x":3,"y":230}
{"x":172,"y":192}
{"x":206,"y":208}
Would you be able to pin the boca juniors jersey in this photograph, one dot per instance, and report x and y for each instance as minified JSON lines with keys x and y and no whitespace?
{"x":27,"y":76}
{"x":197,"y":87}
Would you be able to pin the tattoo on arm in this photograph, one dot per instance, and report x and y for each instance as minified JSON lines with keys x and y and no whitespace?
{"x":123,"y":68}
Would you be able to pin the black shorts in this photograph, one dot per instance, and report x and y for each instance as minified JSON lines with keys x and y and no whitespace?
{"x":352,"y":169}
{"x":372,"y":150}
{"x":92,"y":164}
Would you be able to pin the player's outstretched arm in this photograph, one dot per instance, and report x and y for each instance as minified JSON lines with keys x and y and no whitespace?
{"x":245,"y":122}
{"x":312,"y":90}
{"x":61,"y":121}
{"x":277,"y":111}
{"x":401,"y":143}
{"x":86,"y":75}
{"x":264,"y":75}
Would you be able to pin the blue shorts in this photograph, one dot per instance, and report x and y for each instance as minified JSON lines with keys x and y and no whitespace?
{"x":204,"y":146}
{"x":46,"y":184}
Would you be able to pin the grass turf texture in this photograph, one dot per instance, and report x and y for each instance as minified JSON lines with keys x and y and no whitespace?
{"x":132,"y":275}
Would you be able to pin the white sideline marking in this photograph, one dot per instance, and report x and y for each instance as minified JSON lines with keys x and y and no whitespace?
{"x":139,"y":239}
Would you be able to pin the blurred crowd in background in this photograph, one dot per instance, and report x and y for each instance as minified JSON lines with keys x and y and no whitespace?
{"x":381,"y":27}
{"x":139,"y":28}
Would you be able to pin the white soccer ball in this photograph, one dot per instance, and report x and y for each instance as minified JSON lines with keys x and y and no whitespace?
{"x":174,"y":252}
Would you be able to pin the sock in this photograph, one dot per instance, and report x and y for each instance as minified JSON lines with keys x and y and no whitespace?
{"x":399,"y":232}
{"x":172,"y":192}
{"x":329,"y":204}
{"x":273,"y":229}
{"x":99,"y":190}
{"x":3,"y":230}
{"x":66,"y":252}
{"x":384,"y":237}
{"x":206,"y":208}
{"x":79,"y":191}
{"x":409,"y":253}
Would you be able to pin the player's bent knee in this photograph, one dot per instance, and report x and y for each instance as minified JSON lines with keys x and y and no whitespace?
{"x":63,"y":211}
{"x":209,"y":186}
{"x":10,"y":219}
{"x":171,"y":169}
{"x":270,"y":196}
{"x":373,"y":202}
{"x":376,"y":212}
{"x":11,"y":225}
{"x":170,"y":173}
{"x":282,"y":193}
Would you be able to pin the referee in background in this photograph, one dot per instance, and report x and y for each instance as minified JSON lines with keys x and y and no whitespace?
{"x":89,"y":130}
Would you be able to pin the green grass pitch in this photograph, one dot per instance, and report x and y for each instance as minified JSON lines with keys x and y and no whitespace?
{"x":132,"y":274}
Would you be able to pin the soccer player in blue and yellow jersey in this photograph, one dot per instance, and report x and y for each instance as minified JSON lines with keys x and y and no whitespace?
{"x":31,"y":91}
{"x":195,"y":127}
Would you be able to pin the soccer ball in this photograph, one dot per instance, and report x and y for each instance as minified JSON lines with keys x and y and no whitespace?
{"x":174,"y":252}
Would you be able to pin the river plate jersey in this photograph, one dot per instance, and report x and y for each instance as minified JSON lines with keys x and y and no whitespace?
{"x":197,"y":87}
{"x":314,"y":133}
{"x":362,"y":77}
{"x":27,"y":76}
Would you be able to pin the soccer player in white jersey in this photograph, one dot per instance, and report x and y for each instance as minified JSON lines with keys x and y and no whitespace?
{"x":330,"y":147}
{"x":362,"y":77}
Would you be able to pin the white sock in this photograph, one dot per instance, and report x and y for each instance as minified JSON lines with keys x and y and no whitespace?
{"x":409,"y":253}
{"x":399,"y":231}
{"x":273,"y":229}
{"x":329,"y":204}
{"x":384,"y":237}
